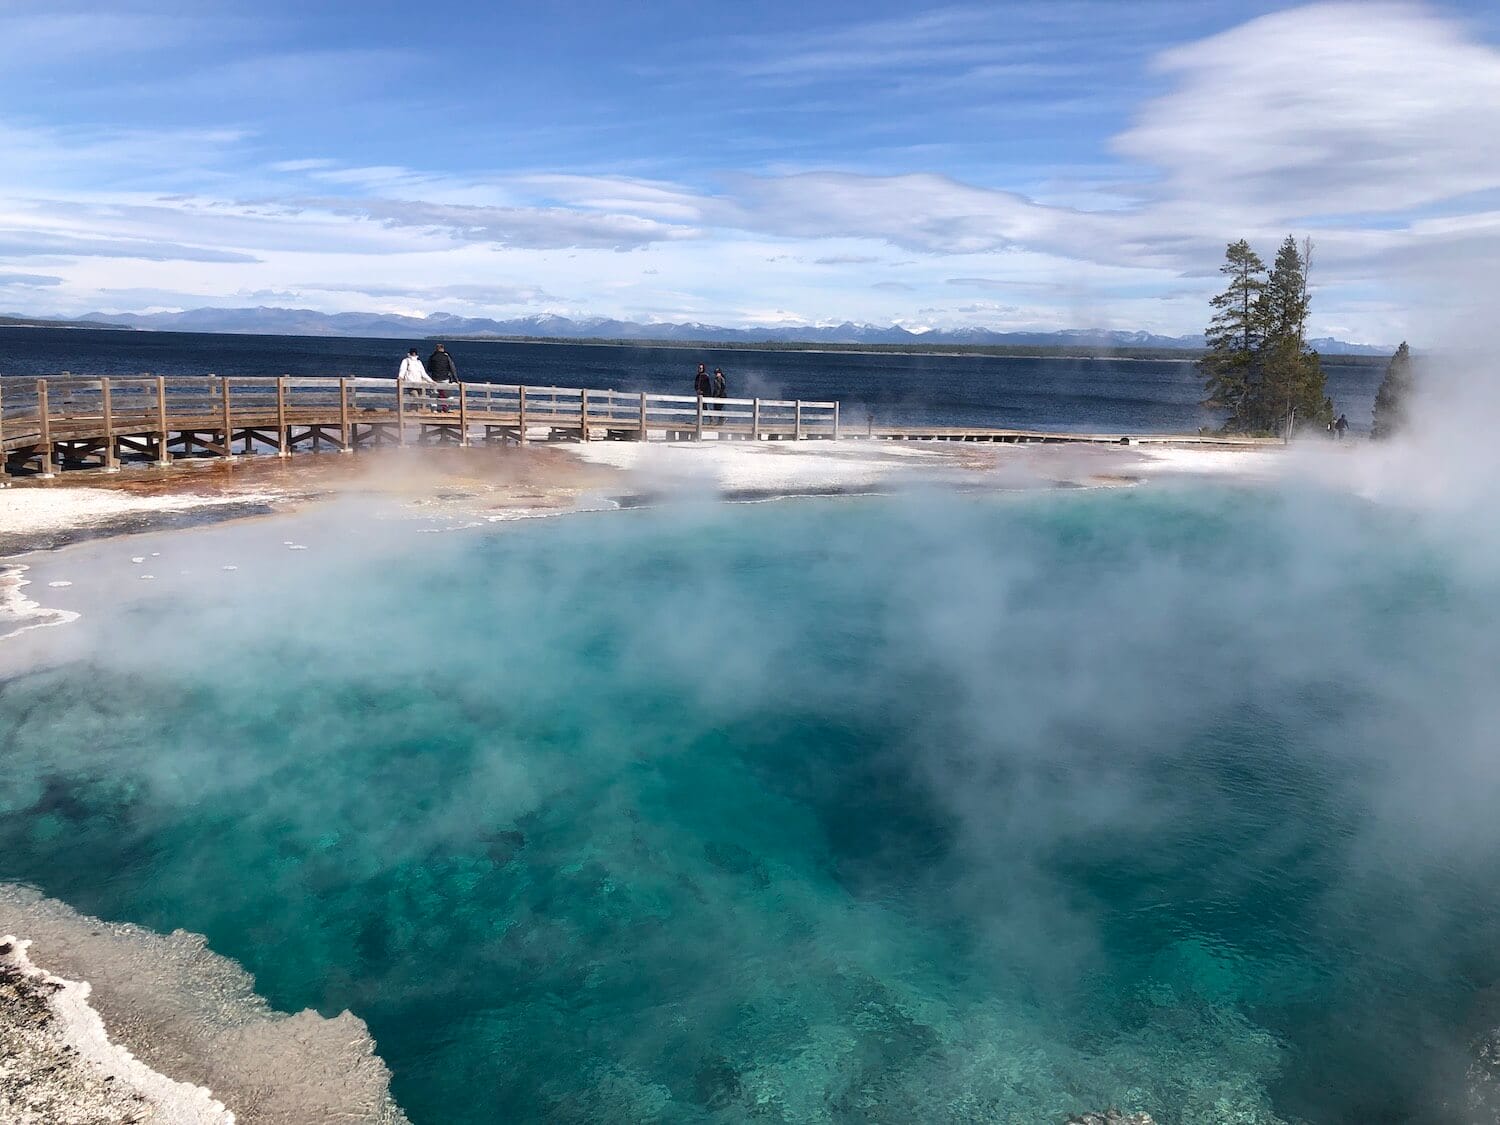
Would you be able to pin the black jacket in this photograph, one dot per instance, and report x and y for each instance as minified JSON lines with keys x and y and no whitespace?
{"x":703,"y":384}
{"x":441,"y":367}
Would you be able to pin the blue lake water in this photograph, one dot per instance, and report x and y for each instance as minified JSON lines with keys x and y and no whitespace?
{"x":935,"y":808}
{"x":1135,"y":396}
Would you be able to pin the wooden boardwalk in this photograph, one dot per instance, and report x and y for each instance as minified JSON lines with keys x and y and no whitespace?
{"x":66,"y":421}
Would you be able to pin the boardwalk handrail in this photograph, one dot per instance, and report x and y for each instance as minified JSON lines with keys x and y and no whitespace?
{"x":95,"y":419}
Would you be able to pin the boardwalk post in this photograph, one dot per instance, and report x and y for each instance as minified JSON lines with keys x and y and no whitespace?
{"x":400,"y":413}
{"x":643,"y":416}
{"x":344,"y":434}
{"x":44,"y":419}
{"x":228,"y":421}
{"x":283,"y":435}
{"x":107,"y":409}
{"x":163,"y":455}
{"x":835,"y":421}
{"x":463,"y":415}
{"x":521,"y":416}
{"x":755,"y":420}
{"x":797,"y":425}
{"x":583,"y":422}
{"x":698,"y":434}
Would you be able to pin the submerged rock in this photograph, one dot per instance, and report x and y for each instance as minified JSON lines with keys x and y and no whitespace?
{"x":188,"y":1014}
{"x":1111,"y":1117}
{"x":1483,"y":1078}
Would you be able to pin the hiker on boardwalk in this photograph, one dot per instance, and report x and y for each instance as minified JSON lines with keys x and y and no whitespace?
{"x":412,"y":378}
{"x":441,"y":367}
{"x":1340,"y":426}
{"x":720,"y":387}
{"x":703,"y":382}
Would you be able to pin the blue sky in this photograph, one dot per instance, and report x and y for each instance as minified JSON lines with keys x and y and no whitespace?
{"x":1008,"y":165}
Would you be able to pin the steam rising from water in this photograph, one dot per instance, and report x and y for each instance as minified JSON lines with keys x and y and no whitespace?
{"x":933,"y":808}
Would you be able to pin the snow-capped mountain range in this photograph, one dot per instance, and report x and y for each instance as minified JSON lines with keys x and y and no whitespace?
{"x":307,"y":322}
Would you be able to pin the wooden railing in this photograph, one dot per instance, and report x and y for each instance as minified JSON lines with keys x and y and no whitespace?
{"x":94,"y":420}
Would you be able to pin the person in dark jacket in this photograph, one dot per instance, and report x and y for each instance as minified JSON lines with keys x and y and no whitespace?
{"x":720,"y":387}
{"x":703,"y":382}
{"x":441,"y":367}
{"x":1340,"y":426}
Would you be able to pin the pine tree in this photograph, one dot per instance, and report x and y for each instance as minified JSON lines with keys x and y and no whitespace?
{"x":1258,"y":367}
{"x":1291,"y":389}
{"x":1394,"y":394}
{"x":1235,"y":334}
{"x":1284,"y":301}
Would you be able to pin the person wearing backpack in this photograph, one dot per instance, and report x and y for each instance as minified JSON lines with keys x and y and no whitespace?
{"x":720,"y":387}
{"x":441,"y":367}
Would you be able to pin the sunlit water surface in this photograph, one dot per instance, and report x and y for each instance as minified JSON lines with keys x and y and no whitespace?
{"x":928,"y":809}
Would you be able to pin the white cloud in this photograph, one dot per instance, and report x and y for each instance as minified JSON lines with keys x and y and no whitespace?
{"x":1326,"y":110}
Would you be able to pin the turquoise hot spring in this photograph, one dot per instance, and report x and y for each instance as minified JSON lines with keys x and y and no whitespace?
{"x":918,"y":808}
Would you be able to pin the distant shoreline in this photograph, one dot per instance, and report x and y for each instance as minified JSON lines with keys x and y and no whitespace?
{"x":983,"y":351}
{"x":80,"y":326}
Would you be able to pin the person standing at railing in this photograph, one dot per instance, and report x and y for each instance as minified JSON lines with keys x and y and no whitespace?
{"x":412,"y":378}
{"x":703,"y":387}
{"x":442,"y":369}
{"x":721,"y":387}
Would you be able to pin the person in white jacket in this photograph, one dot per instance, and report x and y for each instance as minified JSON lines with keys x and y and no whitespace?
{"x":413,"y":377}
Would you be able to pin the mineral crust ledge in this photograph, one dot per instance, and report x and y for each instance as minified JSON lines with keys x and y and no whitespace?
{"x":103,"y":1024}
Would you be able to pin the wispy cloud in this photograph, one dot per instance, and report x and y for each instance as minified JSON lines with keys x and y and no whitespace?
{"x":30,"y":243}
{"x":29,"y":280}
{"x":520,"y":227}
{"x":485,"y":295}
{"x":950,"y":37}
{"x":311,"y":164}
{"x":964,"y":44}
{"x":36,"y":35}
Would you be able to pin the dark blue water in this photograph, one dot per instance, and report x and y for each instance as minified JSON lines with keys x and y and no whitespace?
{"x":1111,"y":395}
